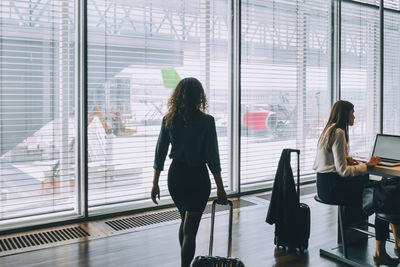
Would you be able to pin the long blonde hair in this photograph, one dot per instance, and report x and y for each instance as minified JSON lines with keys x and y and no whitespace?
{"x":187,"y":98}
{"x":339,"y":118}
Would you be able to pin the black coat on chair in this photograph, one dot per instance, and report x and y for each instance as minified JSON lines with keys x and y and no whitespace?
{"x":284,"y":205}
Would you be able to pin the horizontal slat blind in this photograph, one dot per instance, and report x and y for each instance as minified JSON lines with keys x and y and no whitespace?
{"x":37,"y":105}
{"x":391,"y":112}
{"x":284,"y":81}
{"x":360,"y":71}
{"x":138,"y":51}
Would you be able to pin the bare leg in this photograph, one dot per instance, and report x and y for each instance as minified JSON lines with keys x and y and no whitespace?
{"x":190,"y":227}
{"x":396,"y":235}
{"x":381,"y":257}
{"x":381,"y":234}
{"x":395,"y":230}
{"x":181,"y":232}
{"x":181,"y":227}
{"x":380,"y":249}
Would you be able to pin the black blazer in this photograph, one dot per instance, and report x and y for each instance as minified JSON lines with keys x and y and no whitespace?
{"x":284,"y":204}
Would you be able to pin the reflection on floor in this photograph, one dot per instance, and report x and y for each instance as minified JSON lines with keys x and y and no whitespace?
{"x":305,"y":190}
{"x":158,"y":246}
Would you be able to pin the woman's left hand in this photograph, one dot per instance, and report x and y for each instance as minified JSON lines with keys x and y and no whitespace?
{"x":352,"y":161}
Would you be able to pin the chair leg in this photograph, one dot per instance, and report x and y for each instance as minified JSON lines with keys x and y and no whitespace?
{"x":342,"y":230}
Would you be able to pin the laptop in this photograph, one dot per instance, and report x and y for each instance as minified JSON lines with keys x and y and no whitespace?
{"x":387,"y":147}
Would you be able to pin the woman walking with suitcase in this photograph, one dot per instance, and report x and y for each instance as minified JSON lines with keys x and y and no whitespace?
{"x":194,"y":144}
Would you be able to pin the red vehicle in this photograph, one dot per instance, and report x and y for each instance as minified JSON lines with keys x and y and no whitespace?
{"x":256,"y":120}
{"x":268,"y":119}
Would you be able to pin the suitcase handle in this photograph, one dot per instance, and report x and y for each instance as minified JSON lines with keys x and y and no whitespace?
{"x":212,"y":227}
{"x":298,"y":169}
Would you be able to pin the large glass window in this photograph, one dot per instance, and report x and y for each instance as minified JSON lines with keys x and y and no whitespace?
{"x":37,"y":109}
{"x":137,"y":52}
{"x":360,"y":71}
{"x":284,"y":80}
{"x":391,"y":111}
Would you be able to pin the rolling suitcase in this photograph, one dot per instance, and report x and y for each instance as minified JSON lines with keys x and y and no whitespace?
{"x":302,"y":224}
{"x":215,"y":261}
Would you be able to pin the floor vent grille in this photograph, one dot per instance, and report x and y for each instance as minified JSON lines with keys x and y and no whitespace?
{"x":41,"y":238}
{"x":143,"y":220}
{"x":164,"y":216}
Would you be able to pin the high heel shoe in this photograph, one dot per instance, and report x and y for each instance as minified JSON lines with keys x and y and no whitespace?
{"x":385,"y":260}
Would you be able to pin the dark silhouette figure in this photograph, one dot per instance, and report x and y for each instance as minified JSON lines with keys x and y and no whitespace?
{"x":193,"y":138}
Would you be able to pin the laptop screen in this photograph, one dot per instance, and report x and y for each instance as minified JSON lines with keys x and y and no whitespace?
{"x":387,"y":146}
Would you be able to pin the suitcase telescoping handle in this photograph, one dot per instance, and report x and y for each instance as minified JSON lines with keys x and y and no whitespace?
{"x":298,"y":170}
{"x":212,"y":227}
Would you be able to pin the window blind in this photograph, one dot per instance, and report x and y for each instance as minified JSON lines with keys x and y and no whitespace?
{"x":391,"y":100}
{"x":137,"y":53}
{"x":284,"y":81}
{"x":37,"y":108}
{"x":360,"y":71}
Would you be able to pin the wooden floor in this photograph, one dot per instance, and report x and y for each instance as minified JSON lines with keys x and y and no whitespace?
{"x":252,"y":243}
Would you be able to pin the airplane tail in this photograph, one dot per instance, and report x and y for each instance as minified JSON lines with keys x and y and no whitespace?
{"x":170,"y":78}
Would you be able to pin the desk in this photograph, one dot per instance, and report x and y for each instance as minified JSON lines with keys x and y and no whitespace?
{"x":385,"y":171}
{"x":361,"y":254}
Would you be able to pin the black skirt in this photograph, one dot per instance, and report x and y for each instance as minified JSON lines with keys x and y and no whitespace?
{"x":332,"y":187}
{"x":189,"y":186}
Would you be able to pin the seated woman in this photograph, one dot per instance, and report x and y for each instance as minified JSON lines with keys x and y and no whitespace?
{"x":340,"y":178}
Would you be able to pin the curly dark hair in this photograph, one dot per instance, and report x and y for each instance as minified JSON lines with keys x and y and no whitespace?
{"x":187,"y":98}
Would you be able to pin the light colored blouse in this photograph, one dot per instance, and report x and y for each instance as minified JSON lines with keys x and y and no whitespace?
{"x":335,"y":159}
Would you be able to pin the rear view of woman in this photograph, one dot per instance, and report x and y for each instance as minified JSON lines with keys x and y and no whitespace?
{"x":193,"y":138}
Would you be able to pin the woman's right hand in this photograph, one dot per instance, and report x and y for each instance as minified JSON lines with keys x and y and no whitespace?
{"x":155,"y":191}
{"x":373,"y":161}
{"x":221,"y":196}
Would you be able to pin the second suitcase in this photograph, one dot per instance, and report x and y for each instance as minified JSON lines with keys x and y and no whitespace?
{"x":300,"y":227}
{"x":215,"y":261}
